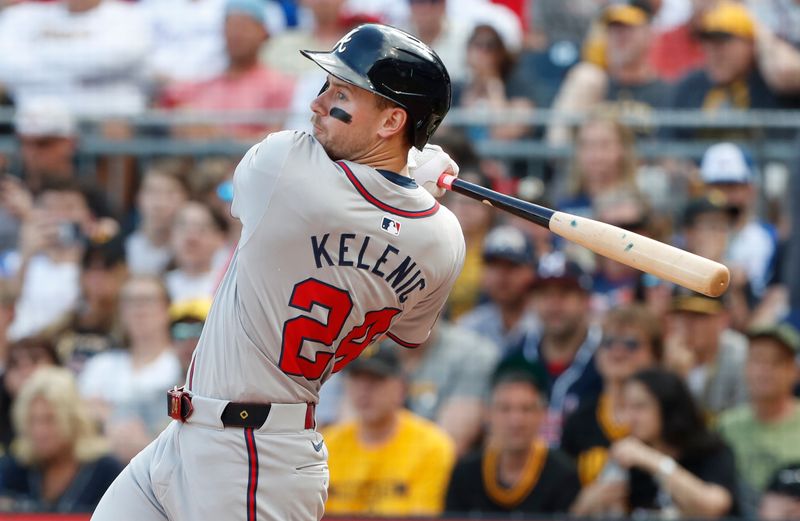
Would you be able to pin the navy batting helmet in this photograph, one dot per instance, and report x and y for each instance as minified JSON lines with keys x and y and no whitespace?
{"x":397,"y":66}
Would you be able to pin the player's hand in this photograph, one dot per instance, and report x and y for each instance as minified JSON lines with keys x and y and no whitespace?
{"x":428,"y":165}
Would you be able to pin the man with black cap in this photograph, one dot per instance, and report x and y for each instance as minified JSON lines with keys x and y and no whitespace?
{"x":764,"y":432}
{"x":508,"y":273}
{"x":387,"y":461}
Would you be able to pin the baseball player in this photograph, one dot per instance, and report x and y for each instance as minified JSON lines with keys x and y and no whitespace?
{"x":339,"y":247}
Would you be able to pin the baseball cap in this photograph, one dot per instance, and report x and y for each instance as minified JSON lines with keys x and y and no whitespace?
{"x":630,"y":12}
{"x":508,"y":243}
{"x":517,"y":366}
{"x":727,"y":19}
{"x":557,"y":269}
{"x":378,"y":359}
{"x":782,"y":332}
{"x":691,"y":302}
{"x":726,"y":163}
{"x":255,"y":9}
{"x":502,"y":20}
{"x":188,"y":317}
{"x":713,"y":202}
{"x":44,"y":117}
{"x":786,"y":481}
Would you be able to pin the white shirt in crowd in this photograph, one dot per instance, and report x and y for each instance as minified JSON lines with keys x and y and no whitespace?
{"x":189,"y":39}
{"x":49,"y":291}
{"x":182,"y":286}
{"x":93,"y":60}
{"x":143,"y":257}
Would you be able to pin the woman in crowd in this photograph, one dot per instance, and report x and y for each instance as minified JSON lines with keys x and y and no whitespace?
{"x":631,"y":342}
{"x":490,"y":59}
{"x":605,"y":161}
{"x":59,"y":462}
{"x":126,"y":387}
{"x":671,"y":463}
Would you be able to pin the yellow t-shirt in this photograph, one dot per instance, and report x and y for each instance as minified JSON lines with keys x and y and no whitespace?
{"x":408,"y":475}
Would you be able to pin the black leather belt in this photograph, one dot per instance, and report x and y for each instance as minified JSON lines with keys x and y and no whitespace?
{"x":247,"y":415}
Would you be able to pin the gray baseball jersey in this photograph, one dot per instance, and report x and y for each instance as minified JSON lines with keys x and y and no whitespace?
{"x":333,"y":255}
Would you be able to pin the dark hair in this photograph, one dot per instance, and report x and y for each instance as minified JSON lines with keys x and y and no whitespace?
{"x":683,"y":426}
{"x":507,"y":59}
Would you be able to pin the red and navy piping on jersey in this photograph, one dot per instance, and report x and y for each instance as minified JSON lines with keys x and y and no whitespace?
{"x":401,"y":342}
{"x":374,"y":201}
{"x":252,"y":473}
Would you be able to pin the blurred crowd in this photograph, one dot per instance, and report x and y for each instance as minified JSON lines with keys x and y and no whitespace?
{"x":556,"y":381}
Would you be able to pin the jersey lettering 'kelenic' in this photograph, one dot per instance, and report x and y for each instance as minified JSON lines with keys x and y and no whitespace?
{"x":403,"y":278}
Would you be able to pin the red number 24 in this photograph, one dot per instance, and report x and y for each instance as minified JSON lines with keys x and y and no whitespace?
{"x":297,"y":330}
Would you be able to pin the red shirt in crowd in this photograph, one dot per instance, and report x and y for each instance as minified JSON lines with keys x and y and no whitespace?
{"x":676,"y":52}
{"x":260,"y":88}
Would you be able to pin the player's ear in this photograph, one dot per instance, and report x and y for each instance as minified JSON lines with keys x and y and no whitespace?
{"x":393,"y":122}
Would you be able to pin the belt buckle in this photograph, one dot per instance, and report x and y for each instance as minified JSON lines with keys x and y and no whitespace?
{"x":179,"y":404}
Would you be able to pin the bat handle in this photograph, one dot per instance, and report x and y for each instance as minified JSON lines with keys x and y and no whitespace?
{"x":446,"y":181}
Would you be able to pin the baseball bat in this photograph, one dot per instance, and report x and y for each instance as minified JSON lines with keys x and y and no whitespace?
{"x":643,"y":253}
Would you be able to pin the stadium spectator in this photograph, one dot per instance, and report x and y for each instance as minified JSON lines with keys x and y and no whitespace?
{"x":491,"y":53}
{"x":730,"y":170}
{"x":615,"y":283}
{"x":94,"y":326}
{"x":604,"y":161}
{"x":447,"y":387}
{"x":188,"y":42}
{"x":701,"y":348}
{"x":778,"y":43}
{"x":626,"y":79}
{"x":631,"y":342}
{"x":282,"y":51}
{"x":763,"y":433}
{"x":671,"y":464}
{"x":126,"y":387}
{"x":187,"y":320}
{"x":245,"y":85}
{"x":447,"y":35}
{"x":7,"y":298}
{"x":508,"y":272}
{"x":566,"y":346}
{"x":781,"y":500}
{"x":197,"y":235}
{"x":48,"y":140}
{"x":50,"y":251}
{"x":89,"y":53}
{"x":23,"y":359}
{"x":678,"y":51}
{"x":516,"y":471}
{"x":163,"y":192}
{"x":476,"y":221}
{"x":388,"y":461}
{"x":59,"y":463}
{"x":732,"y":77}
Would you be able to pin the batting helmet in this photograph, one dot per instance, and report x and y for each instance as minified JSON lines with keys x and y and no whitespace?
{"x":397,"y":66}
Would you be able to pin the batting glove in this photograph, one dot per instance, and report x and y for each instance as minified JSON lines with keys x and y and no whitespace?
{"x":427,"y":165}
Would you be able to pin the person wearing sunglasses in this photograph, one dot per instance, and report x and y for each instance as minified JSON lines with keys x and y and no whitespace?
{"x":631,"y":341}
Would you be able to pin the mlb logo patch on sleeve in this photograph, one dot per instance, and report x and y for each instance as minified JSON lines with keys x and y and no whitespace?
{"x":390,"y":226}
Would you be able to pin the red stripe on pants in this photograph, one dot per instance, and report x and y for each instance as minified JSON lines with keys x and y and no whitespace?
{"x":252,"y":478}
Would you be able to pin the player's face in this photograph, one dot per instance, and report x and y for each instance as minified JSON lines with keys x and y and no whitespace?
{"x":346,"y":140}
{"x":515,"y":415}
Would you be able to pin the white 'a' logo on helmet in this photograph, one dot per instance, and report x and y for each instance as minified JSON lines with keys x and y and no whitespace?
{"x":343,"y":43}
